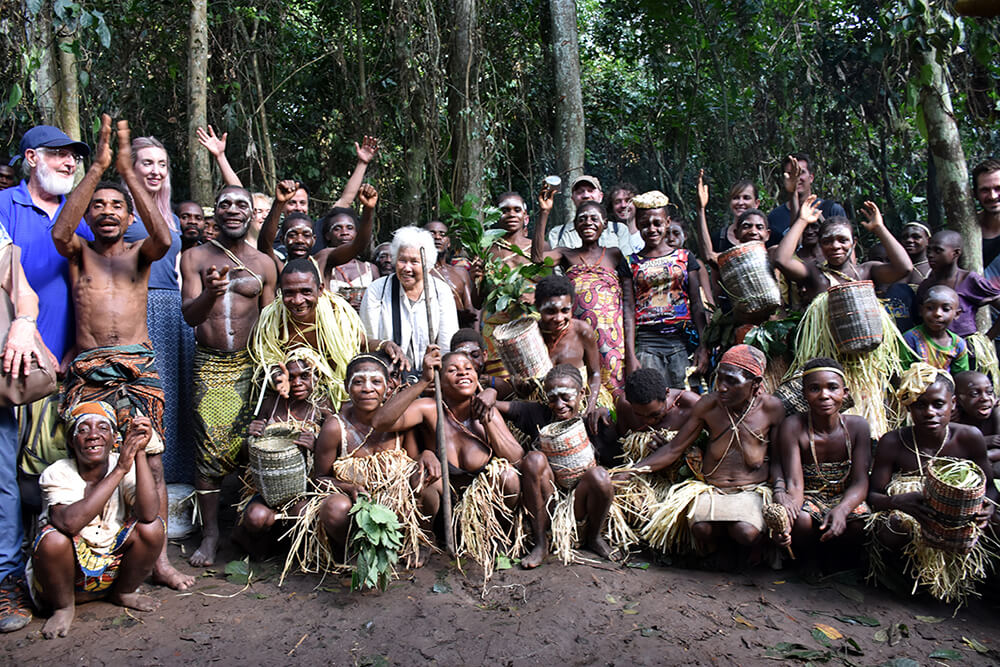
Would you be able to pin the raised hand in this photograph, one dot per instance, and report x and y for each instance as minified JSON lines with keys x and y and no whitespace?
{"x":873,"y":217}
{"x":279,"y":380}
{"x":136,"y":438}
{"x":124,"y":161}
{"x":546,"y":197}
{"x":367,"y":150}
{"x":368,"y":195}
{"x":215,"y":145}
{"x":286,"y":190}
{"x":217,"y":281}
{"x":432,"y":362}
{"x":102,"y":156}
{"x":702,"y":190}
{"x":791,"y":177}
{"x":810,"y":210}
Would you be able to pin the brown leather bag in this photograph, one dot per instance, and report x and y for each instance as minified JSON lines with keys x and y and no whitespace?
{"x":41,"y":380}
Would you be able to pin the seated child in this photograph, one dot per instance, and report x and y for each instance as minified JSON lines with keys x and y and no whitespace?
{"x":100,"y":529}
{"x":977,"y":406}
{"x":592,"y":492}
{"x":824,"y":462}
{"x":973,"y":290}
{"x":895,"y":489}
{"x":932,"y":340}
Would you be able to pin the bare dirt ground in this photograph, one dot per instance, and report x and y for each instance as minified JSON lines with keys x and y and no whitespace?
{"x":645,"y":613}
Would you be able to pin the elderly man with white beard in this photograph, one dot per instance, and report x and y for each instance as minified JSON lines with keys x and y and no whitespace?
{"x":28,"y":212}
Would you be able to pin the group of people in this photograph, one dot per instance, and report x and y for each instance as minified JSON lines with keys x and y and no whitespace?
{"x":668,"y":416}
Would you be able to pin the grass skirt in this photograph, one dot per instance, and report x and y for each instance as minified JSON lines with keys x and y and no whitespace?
{"x":485,"y":526}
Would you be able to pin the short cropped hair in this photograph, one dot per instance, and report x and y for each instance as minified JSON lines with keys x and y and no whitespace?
{"x":551,"y":286}
{"x":645,"y":386}
{"x":117,"y":187}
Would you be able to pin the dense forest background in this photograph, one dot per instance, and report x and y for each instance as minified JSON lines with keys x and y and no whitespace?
{"x":473,"y":96}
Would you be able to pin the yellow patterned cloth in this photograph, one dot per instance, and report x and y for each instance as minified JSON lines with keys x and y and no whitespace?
{"x":222,"y":409}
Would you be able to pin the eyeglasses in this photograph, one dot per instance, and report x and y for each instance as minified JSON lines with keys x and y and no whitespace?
{"x":61,"y":153}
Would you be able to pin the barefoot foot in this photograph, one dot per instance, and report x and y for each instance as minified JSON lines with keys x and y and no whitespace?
{"x":167,"y":575}
{"x":136,"y":601}
{"x":423,"y":554}
{"x":58,"y":624}
{"x":535,"y":558}
{"x":599,"y":547}
{"x":205,"y":555}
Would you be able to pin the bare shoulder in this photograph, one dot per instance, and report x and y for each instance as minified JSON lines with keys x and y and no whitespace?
{"x":687,"y":399}
{"x":969,"y":439}
{"x":583,"y":329}
{"x":774,"y":407}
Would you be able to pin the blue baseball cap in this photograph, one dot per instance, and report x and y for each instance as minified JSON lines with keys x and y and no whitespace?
{"x":47,"y":136}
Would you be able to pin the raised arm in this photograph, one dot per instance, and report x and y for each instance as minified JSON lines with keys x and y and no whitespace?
{"x":366,"y":153}
{"x":704,"y":237}
{"x":345,"y":253}
{"x":217,"y":147}
{"x":282,"y":194}
{"x":538,"y":252}
{"x":403,"y":410}
{"x":64,"y":236}
{"x":784,"y":257}
{"x":157,"y":243}
{"x":900,"y":263}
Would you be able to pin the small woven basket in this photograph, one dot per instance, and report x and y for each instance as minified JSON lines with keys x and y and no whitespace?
{"x":748,"y":279}
{"x":522,"y":348}
{"x":278,"y":466}
{"x":855,"y":317}
{"x":568,"y":449}
{"x":953,"y":527}
{"x":790,"y":394}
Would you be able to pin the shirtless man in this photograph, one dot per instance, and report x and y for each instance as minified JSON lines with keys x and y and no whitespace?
{"x":192,"y":219}
{"x":108,"y":279}
{"x":226,"y":283}
{"x":457,"y":278}
{"x":471,"y":443}
{"x":570,"y":341}
{"x":648,"y":403}
{"x":741,"y":422}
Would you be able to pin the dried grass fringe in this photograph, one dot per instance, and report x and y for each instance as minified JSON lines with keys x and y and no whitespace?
{"x":485,"y":526}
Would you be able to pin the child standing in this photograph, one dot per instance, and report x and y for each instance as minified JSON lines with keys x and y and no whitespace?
{"x":932,"y":341}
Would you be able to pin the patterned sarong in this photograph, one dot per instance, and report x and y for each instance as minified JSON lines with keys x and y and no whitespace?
{"x":123,"y":376}
{"x":825,"y":491}
{"x":223,"y":409}
{"x":599,"y":303}
{"x":494,"y":365}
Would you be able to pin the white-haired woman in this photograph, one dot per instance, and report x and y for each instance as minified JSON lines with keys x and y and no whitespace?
{"x":395,"y":306}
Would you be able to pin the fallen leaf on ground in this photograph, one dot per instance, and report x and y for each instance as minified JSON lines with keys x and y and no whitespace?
{"x":976,"y":646}
{"x":829,"y":631}
{"x":946,"y":654}
{"x":859,"y":620}
{"x":850,"y":592}
{"x":929,"y":619}
{"x":742,"y":621}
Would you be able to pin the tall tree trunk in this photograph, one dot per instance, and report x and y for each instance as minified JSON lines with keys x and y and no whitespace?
{"x":951,"y":172}
{"x":69,"y":94}
{"x":570,"y":138}
{"x":464,"y":110}
{"x":44,"y":78}
{"x":270,"y":169}
{"x":201,"y":168}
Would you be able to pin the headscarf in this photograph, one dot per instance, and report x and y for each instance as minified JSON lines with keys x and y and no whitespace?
{"x":746,"y":357}
{"x":100,"y":409}
{"x":917,"y":379}
{"x":651,"y":199}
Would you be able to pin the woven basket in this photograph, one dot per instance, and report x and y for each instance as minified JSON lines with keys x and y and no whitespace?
{"x":278,"y":466}
{"x":568,"y":449}
{"x":522,"y":348}
{"x":748,"y":279}
{"x":952,"y":527}
{"x":855,"y":317}
{"x":790,"y":394}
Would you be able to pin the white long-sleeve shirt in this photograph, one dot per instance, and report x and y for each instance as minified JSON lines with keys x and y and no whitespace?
{"x":376,"y":315}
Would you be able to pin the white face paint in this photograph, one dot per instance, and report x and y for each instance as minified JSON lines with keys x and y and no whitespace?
{"x":510,"y":202}
{"x":367,"y":378}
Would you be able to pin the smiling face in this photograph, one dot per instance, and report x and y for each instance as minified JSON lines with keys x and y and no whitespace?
{"x":744,"y":200}
{"x":653,"y":224}
{"x":192,"y":220}
{"x":299,"y":203}
{"x":753,"y":228}
{"x":299,"y":238}
{"x":54,"y":168}
{"x":563,"y":397}
{"x":585,"y":191}
{"x":622,"y":205}
{"x":988,"y":192}
{"x":108,"y":215}
{"x":233,"y":210}
{"x":92,"y":440}
{"x":151,"y":167}
{"x":409,"y":270}
{"x":299,"y":294}
{"x":933,"y":409}
{"x":824,"y":392}
{"x":589,"y":223}
{"x":367,"y":386}
{"x":836,"y":244}
{"x":675,"y":235}
{"x":474,"y":352}
{"x":914,"y":240}
{"x":300,"y":380}
{"x":459,"y":379}
{"x":556,"y":314}
{"x":513,"y":214}
{"x":975,"y":395}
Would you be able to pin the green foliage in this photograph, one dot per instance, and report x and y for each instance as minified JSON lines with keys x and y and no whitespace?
{"x":375,"y":544}
{"x":507,"y":284}
{"x":473,"y":226}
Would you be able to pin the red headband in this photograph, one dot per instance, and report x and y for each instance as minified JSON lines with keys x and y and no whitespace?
{"x":746,"y":357}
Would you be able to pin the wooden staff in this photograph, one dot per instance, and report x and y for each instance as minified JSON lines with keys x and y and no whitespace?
{"x":449,"y":535}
